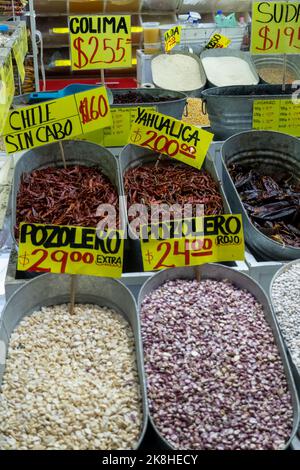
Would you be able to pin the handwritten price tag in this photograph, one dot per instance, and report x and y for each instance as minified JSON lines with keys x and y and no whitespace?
{"x":70,"y":250}
{"x":117,"y":134}
{"x":275,"y":28}
{"x":172,"y":137}
{"x":17,"y":50}
{"x":218,"y":41}
{"x":277,"y":115}
{"x":193,"y":242}
{"x":57,"y":120}
{"x":7,"y":89}
{"x":100,"y":42}
{"x":172,"y":38}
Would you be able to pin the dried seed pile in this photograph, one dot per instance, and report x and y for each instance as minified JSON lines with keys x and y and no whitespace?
{"x":286,"y":301}
{"x":215,"y":377}
{"x":165,"y":182}
{"x":194,"y":114}
{"x":71,"y":382}
{"x":274,"y":74}
{"x":64,"y":196}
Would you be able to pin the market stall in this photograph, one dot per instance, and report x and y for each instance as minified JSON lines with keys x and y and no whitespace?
{"x":150,"y":225}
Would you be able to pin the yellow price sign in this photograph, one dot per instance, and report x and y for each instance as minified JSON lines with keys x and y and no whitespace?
{"x":277,"y":115}
{"x":100,"y":42}
{"x":169,"y":136}
{"x":275,"y":28}
{"x":117,"y":134}
{"x":172,"y":38}
{"x":70,"y":250}
{"x":4,"y":105}
{"x":192,"y":242}
{"x":19,"y":58}
{"x":57,"y":120}
{"x":7,"y":89}
{"x":218,"y":41}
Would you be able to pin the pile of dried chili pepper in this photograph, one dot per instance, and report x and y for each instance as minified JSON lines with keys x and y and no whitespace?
{"x":167,"y":182}
{"x":135,"y":97}
{"x":64,"y":196}
{"x":272,"y":202}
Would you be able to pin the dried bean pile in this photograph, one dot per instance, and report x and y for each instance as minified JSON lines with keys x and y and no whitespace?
{"x":286,"y":301}
{"x":61,"y":196}
{"x":165,"y":182}
{"x":71,"y":382}
{"x":272,"y":202}
{"x":215,"y":376}
{"x":135,"y":97}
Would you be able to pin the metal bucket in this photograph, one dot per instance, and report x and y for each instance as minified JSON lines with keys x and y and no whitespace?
{"x":76,"y":153}
{"x":274,"y":151}
{"x":191,"y":93}
{"x":132,"y":156}
{"x":286,"y":267}
{"x":174,"y":107}
{"x":53,"y":289}
{"x":219,"y":272}
{"x":216,"y":53}
{"x":230,"y":109}
{"x":274,"y":60}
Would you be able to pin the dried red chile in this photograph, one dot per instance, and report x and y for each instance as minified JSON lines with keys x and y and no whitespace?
{"x":61,"y":196}
{"x":272,"y":203}
{"x":171,"y":183}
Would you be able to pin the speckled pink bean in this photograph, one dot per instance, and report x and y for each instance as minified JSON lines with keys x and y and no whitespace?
{"x":215,"y":376}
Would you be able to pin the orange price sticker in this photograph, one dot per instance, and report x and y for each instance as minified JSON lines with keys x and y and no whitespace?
{"x":100,"y":42}
{"x":70,"y":250}
{"x":192,"y":242}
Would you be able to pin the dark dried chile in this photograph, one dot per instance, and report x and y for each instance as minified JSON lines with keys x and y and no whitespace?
{"x":64,"y":196}
{"x":171,"y":183}
{"x":272,"y":202}
{"x":135,"y":97}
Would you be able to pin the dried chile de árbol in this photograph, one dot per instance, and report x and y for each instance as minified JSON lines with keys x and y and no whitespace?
{"x":64,"y":196}
{"x":272,"y":202}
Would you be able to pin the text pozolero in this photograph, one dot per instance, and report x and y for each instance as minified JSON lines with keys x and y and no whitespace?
{"x":169,"y":126}
{"x":51,"y":236}
{"x":101,"y":24}
{"x":206,"y":226}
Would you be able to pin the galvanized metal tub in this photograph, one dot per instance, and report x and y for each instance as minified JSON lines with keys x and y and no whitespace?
{"x":190,"y":93}
{"x":219,"y":272}
{"x":286,"y":267}
{"x":230,"y":109}
{"x":217,"y":53}
{"x":132,"y":156}
{"x":274,"y":151}
{"x":174,"y":107}
{"x":76,"y":153}
{"x":274,"y":60}
{"x":53,"y":289}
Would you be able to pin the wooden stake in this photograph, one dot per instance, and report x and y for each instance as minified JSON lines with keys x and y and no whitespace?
{"x":72,"y":293}
{"x":284,"y":73}
{"x":102,"y":77}
{"x":198,"y":273}
{"x":62,"y":154}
